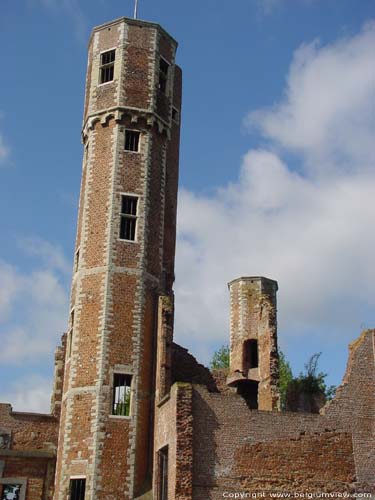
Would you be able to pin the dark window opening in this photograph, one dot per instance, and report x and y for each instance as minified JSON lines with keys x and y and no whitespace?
{"x":175,"y":115}
{"x":77,"y":489}
{"x":128,"y":217}
{"x":70,"y":335}
{"x":107,"y":66}
{"x":250,"y":353}
{"x":163,"y":474}
{"x":132,"y":140}
{"x":121,"y":394}
{"x":163,"y":75}
{"x":76,"y":261}
{"x":11,"y":492}
{"x":248,"y":389}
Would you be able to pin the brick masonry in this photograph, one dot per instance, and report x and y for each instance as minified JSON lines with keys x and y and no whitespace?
{"x":28,"y":443}
{"x":116,"y":283}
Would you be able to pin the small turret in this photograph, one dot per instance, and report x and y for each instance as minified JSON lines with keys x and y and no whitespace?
{"x":253,"y":341}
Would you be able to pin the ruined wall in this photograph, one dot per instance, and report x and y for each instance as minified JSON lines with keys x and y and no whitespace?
{"x":28,"y":444}
{"x":242,"y":450}
{"x":354,"y":404}
{"x":174,"y":428}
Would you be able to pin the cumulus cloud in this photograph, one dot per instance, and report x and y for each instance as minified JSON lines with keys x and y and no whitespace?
{"x":328,"y":112}
{"x":33,"y":306}
{"x":306,"y":224}
{"x":31,"y":394}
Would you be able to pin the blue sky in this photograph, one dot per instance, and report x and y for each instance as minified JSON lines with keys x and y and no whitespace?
{"x":277,"y":171}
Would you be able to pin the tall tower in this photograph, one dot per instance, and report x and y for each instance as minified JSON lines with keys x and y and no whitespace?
{"x":253,"y":341}
{"x":124,"y":260}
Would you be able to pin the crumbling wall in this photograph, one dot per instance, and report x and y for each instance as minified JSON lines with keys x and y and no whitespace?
{"x":242,"y":450}
{"x":354,"y":404}
{"x":174,"y":429}
{"x":28,"y":444}
{"x":58,"y":378}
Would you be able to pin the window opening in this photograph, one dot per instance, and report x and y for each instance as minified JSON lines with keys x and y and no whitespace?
{"x":250,"y":353}
{"x":121,"y":394}
{"x":70,"y":335}
{"x":77,"y":489}
{"x":11,"y":492}
{"x":132,"y":140}
{"x":163,"y":75}
{"x":107,"y":66}
{"x":128,"y":217}
{"x":248,"y":389}
{"x":175,"y":115}
{"x":163,"y":474}
{"x":76,"y":261}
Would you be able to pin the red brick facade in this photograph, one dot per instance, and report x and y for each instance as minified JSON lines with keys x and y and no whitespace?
{"x":179,"y":432}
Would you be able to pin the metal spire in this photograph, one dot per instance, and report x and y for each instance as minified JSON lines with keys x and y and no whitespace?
{"x":135,"y":9}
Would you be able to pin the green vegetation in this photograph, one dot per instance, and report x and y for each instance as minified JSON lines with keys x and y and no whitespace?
{"x":286,"y":378}
{"x":220,"y":358}
{"x":309,"y":382}
{"x":312,"y":381}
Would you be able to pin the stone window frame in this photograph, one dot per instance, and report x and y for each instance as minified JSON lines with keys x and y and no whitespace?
{"x":139,"y":150}
{"x":162,"y":479}
{"x":16,"y":480}
{"x":100,"y":66}
{"x":168,"y":76}
{"x":122,"y":370}
{"x":136,"y":217}
{"x":76,"y":476}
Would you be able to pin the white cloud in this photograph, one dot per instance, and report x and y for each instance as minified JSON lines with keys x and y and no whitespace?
{"x":328,"y":111}
{"x":10,"y":283}
{"x":51,"y":255}
{"x":33,"y":306}
{"x":308,"y":226}
{"x":31,"y":394}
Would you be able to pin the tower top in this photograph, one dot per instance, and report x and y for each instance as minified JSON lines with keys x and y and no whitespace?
{"x":134,"y":22}
{"x":253,"y":279}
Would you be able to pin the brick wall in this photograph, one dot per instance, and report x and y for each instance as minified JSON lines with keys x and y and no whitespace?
{"x":174,"y":429}
{"x":117,"y":283}
{"x":237,"y":449}
{"x":28,"y":450}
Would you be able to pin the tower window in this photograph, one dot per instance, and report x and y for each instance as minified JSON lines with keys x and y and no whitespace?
{"x":77,"y":489}
{"x":121,"y":394}
{"x":70,"y":334}
{"x":128,"y":217}
{"x":250,"y":352}
{"x":163,"y":473}
{"x":132,"y":140}
{"x":107,"y":66}
{"x":163,"y":75}
{"x":76,"y":261}
{"x":175,"y":115}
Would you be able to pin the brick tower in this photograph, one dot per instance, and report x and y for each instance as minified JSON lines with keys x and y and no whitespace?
{"x":124,"y":260}
{"x":253,"y":341}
